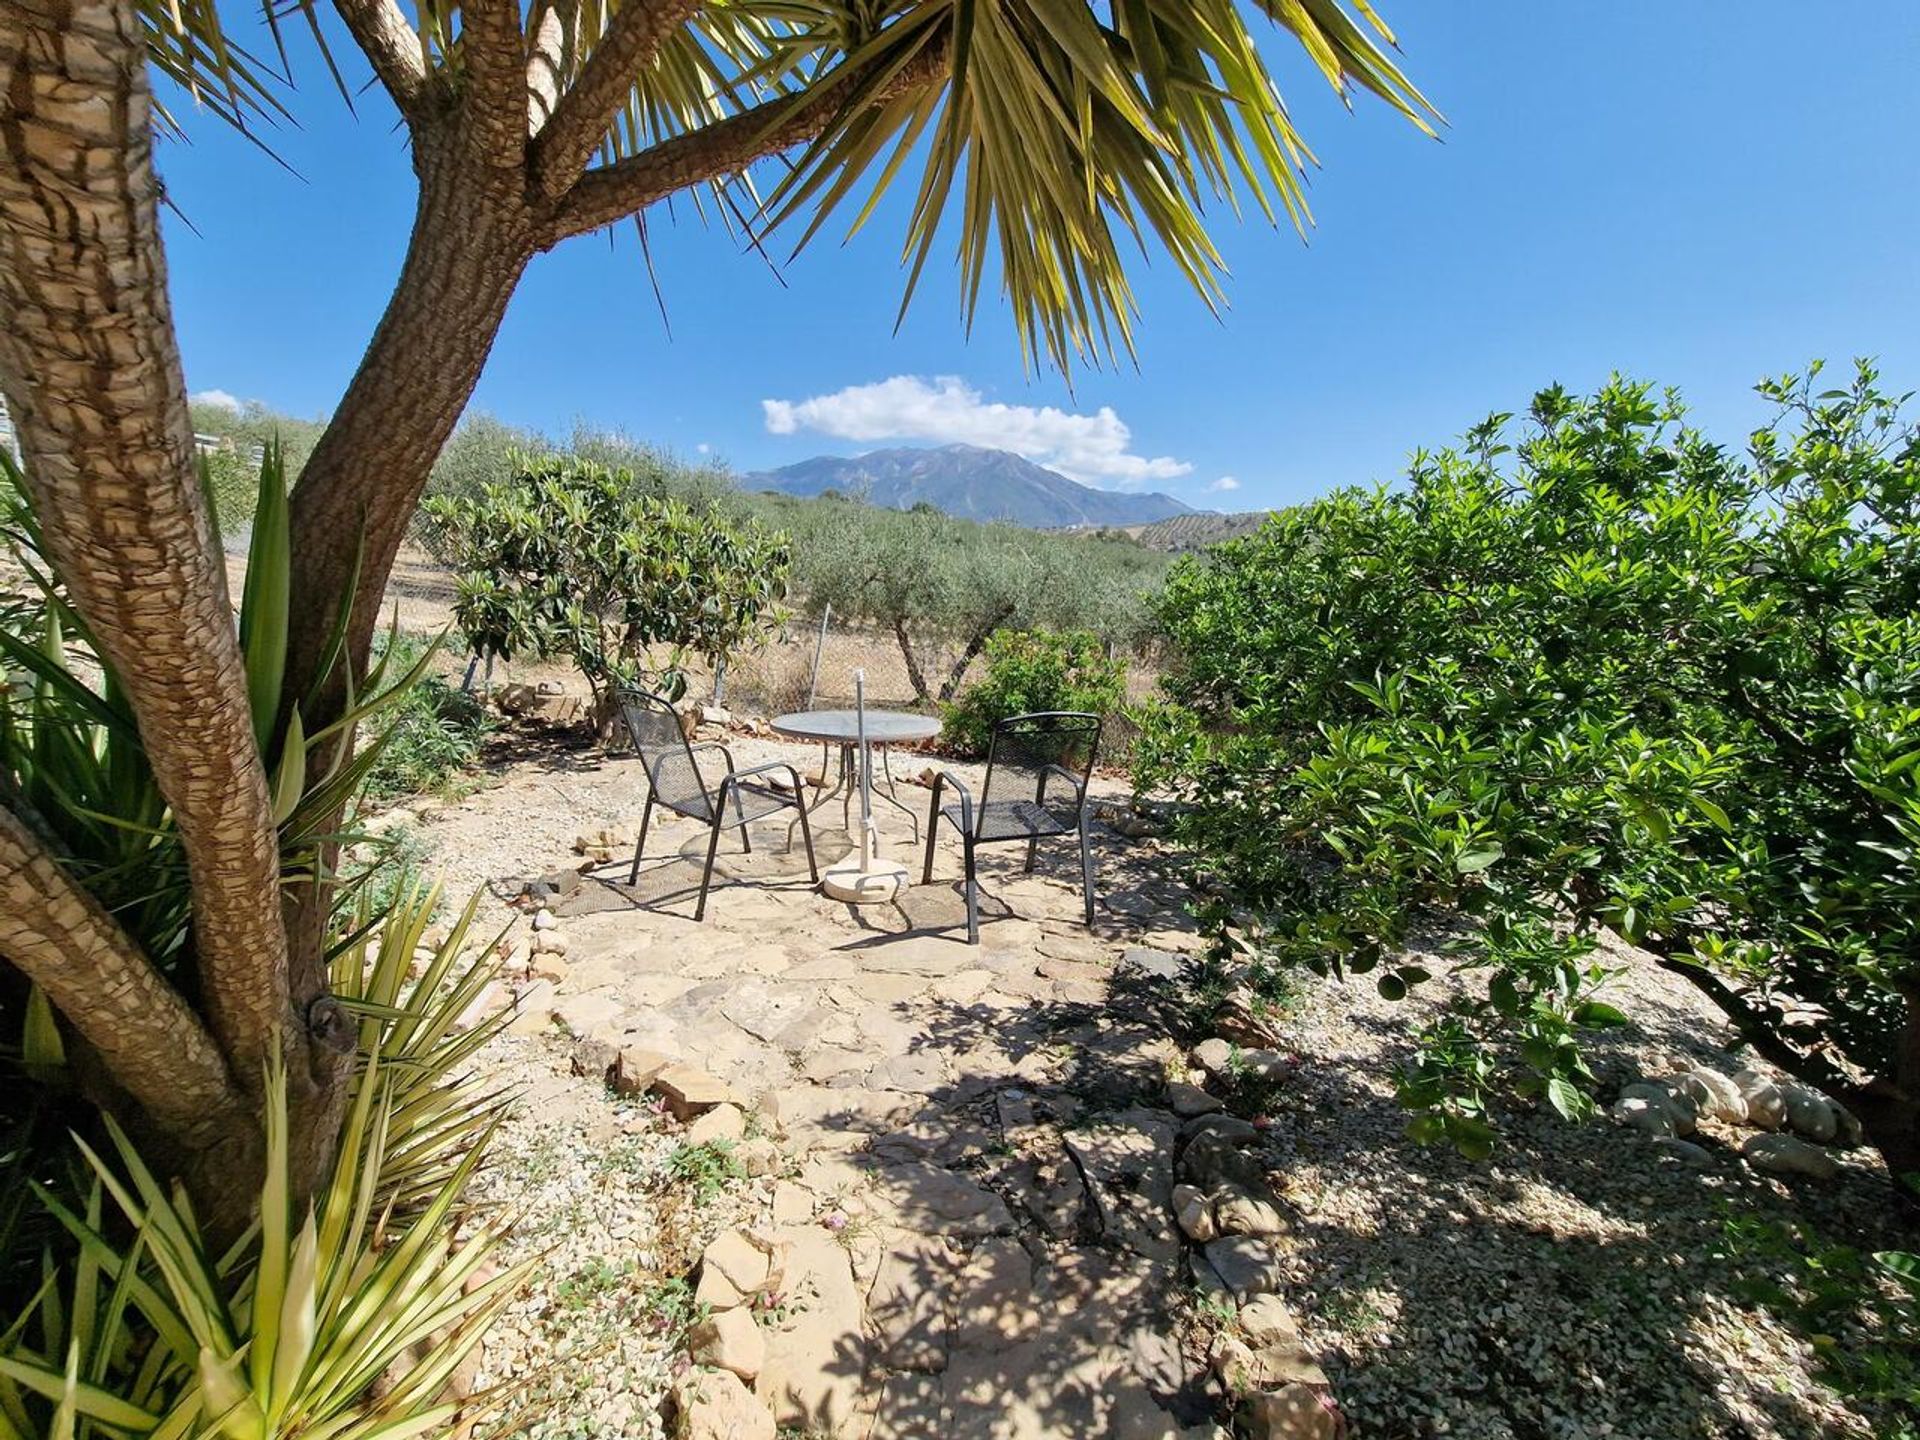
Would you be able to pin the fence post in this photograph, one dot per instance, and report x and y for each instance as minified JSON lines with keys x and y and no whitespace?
{"x":720,"y":682}
{"x":819,"y":645}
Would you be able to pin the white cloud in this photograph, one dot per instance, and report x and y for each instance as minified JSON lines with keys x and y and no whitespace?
{"x":1094,"y":449}
{"x":703,"y":448}
{"x":1225,"y":482}
{"x":225,"y":399}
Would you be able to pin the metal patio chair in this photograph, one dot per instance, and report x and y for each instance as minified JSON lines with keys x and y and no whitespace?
{"x":1038,"y":767}
{"x":675,"y":783}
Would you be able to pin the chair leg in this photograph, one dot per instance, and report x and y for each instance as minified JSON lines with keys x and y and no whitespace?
{"x":806,"y":835}
{"x":1033,"y":845}
{"x":646,"y":814}
{"x":706,"y":875}
{"x":746,"y":840}
{"x":1086,"y":870}
{"x":973,"y":897}
{"x":933,"y":833}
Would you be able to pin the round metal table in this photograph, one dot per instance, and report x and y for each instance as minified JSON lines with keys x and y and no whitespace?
{"x":842,"y":728}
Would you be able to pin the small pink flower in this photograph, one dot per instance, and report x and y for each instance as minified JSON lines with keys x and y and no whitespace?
{"x":834,"y":1220}
{"x":1263,"y":1122}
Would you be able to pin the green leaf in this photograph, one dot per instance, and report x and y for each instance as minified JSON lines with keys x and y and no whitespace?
{"x":1567,"y":1098}
{"x":1471,"y":862}
{"x":1391,"y":987}
{"x":1598,"y":1015}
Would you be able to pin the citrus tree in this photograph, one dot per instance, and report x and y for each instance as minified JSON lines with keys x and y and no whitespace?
{"x":1599,"y":674}
{"x":571,"y":558}
{"x":1063,"y":132}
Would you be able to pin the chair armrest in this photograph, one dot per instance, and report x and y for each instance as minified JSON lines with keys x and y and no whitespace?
{"x":767,"y":769}
{"x":1074,"y":782}
{"x":947,"y":778}
{"x":725,"y":753}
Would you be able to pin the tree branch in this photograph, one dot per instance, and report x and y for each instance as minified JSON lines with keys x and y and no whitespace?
{"x":392,"y":47}
{"x":90,"y":368}
{"x":496,"y":66}
{"x":550,"y":33}
{"x":726,"y":147}
{"x":154,"y":1047}
{"x":625,"y":48}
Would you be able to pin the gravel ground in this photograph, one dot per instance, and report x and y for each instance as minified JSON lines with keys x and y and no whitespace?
{"x":1571,"y":1286}
{"x":586,"y":1179}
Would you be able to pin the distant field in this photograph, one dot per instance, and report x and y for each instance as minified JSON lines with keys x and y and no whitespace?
{"x":1183,"y":534}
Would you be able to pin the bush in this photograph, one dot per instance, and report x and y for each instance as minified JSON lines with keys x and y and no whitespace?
{"x":1030,"y":670}
{"x":573,"y":559}
{"x":1602,"y":674}
{"x":437,"y":731}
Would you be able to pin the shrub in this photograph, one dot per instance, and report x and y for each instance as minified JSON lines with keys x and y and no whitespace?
{"x":573,"y":559}
{"x":1602,"y":674}
{"x":435,"y":735}
{"x":1029,"y":670}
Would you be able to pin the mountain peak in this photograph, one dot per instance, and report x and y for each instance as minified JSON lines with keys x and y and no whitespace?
{"x":971,"y":481}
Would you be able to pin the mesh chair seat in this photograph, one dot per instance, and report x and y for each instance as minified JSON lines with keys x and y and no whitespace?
{"x":1011,"y":820}
{"x":747,"y":802}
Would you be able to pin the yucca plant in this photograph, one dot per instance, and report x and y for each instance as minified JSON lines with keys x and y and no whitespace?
{"x":148,"y":1330}
{"x":71,"y":753}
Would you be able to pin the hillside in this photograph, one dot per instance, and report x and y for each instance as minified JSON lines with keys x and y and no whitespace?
{"x":1195,"y":531}
{"x":968,"y":481}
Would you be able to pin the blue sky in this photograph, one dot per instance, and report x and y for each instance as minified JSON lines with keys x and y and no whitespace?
{"x":1698,"y":194}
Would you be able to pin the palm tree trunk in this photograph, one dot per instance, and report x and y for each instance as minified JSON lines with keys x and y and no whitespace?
{"x":90,"y":368}
{"x":361,"y":485}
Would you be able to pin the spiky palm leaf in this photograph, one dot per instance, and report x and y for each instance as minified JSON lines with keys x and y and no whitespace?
{"x":1053,"y":135}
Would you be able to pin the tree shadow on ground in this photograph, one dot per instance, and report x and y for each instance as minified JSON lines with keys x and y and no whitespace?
{"x":1568,"y":1286}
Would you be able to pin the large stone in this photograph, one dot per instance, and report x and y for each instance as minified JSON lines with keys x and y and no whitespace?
{"x":589,"y":1016}
{"x":1714,"y":1094}
{"x":637,"y":1066}
{"x":1246,"y":1265}
{"x":715,"y":1405}
{"x":1293,"y":1412}
{"x":1243,"y":1367}
{"x":1244,"y":1212}
{"x":907,"y":1307}
{"x":817,"y":1353}
{"x":1766,"y":1105}
{"x":1809,"y":1113}
{"x":1190,"y":1100}
{"x":1213,"y":1055}
{"x":533,"y":1009}
{"x":923,"y":1196}
{"x":1788,"y":1155}
{"x":747,"y":1265}
{"x":1212,"y":1160}
{"x":1229,"y":1127}
{"x":728,"y":1340}
{"x":1154,"y":964}
{"x":724,"y":1122}
{"x":1649,"y":1117}
{"x":690,"y":1091}
{"x":1265,"y":1319}
{"x":1195,"y":1213}
{"x":595,"y":1059}
{"x":1128,"y":1164}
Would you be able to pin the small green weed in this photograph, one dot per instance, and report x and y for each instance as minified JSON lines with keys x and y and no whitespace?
{"x":706,"y":1169}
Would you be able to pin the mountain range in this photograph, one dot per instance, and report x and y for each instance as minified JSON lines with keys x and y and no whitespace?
{"x":969,"y":481}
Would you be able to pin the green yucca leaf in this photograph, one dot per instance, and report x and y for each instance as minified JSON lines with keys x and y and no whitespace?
{"x":270,"y":1272}
{"x":264,"y":600}
{"x":290,"y":776}
{"x":65,"y":1387}
{"x":42,"y":1052}
{"x":298,"y":1319}
{"x":227,"y":1399}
